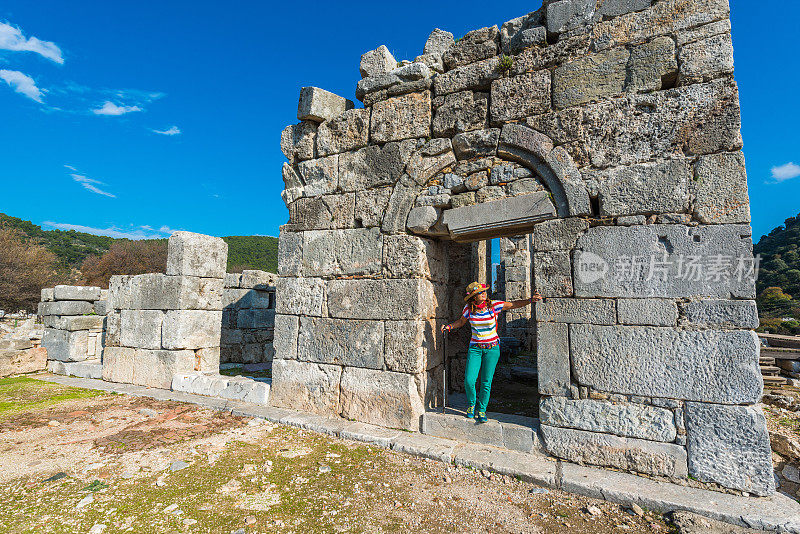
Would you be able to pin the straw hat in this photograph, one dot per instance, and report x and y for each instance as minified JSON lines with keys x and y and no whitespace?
{"x":474,"y":288}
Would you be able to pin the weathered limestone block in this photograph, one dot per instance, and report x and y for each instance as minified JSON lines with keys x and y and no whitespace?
{"x":520,"y":96}
{"x":255,"y":318}
{"x":66,"y":346}
{"x":155,"y":368}
{"x":648,"y":312}
{"x":646,"y":188}
{"x":320,"y":176}
{"x":439,"y":41}
{"x":474,"y":46}
{"x":459,"y":112}
{"x":118,"y":364}
{"x":191,"y":329}
{"x":649,"y":457}
{"x":522,"y":32}
{"x":651,"y":65}
{"x":155,"y":291}
{"x":141,"y":329}
{"x":722,"y":313}
{"x":707,"y":59}
{"x":400,"y":203}
{"x":376,"y":62}
{"x":374,"y":165}
{"x":411,"y":78}
{"x":371,"y":205}
{"x":207,"y":359}
{"x":552,"y":273}
{"x":729,"y":445}
{"x":704,"y":32}
{"x":319,"y":105}
{"x":412,"y":346}
{"x":341,"y":342}
{"x":290,"y":253}
{"x":366,"y":299}
{"x":552,"y":358}
{"x":17,"y":362}
{"x":614,"y":8}
{"x":564,"y":15}
{"x":196,"y":255}
{"x":406,"y":256}
{"x":322,"y":213}
{"x":48,"y":294}
{"x":255,"y":279}
{"x":432,"y":61}
{"x":476,"y":143}
{"x":626,"y":420}
{"x":476,"y":76}
{"x":293,"y":185}
{"x":401,"y":117}
{"x":707,"y":366}
{"x":581,"y":311}
{"x":590,"y":78}
{"x":65,"y":307}
{"x":287,"y":329}
{"x":298,"y":141}
{"x":342,"y":252}
{"x":422,"y":218}
{"x":558,"y":234}
{"x":300,"y":296}
{"x":381,"y":398}
{"x":604,"y":265}
{"x":15,"y":344}
{"x":72,"y":323}
{"x":509,"y":216}
{"x":113,"y":323}
{"x":720,"y":189}
{"x":425,"y":164}
{"x":489,"y":193}
{"x":86,"y":293}
{"x":305,"y":386}
{"x":87,"y":369}
{"x":348,"y":131}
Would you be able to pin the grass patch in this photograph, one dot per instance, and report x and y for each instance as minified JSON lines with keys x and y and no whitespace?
{"x":22,"y":394}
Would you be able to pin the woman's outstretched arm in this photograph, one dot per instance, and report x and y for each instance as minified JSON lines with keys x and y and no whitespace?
{"x":458,"y":324}
{"x":514,"y":304}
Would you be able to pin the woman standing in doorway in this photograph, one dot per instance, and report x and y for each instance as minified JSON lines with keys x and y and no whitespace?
{"x":484,"y":347}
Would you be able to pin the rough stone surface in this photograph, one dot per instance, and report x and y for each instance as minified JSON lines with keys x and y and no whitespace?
{"x":722,"y":313}
{"x":376,"y":62}
{"x":590,"y":78}
{"x":508,"y":216}
{"x":552,"y":357}
{"x":439,"y":41}
{"x":15,"y":362}
{"x":407,"y":256}
{"x":65,"y":307}
{"x":196,"y":255}
{"x":319,"y":105}
{"x":477,"y":143}
{"x":477,"y":76}
{"x":374,"y":166}
{"x":558,"y":234}
{"x":155,"y":291}
{"x":86,"y":293}
{"x":371,"y":205}
{"x":552,"y":273}
{"x":141,"y":328}
{"x":520,"y":96}
{"x":646,"y":188}
{"x":66,"y":346}
{"x":412,"y":346}
{"x":729,"y":445}
{"x":460,"y":112}
{"x":320,"y":176}
{"x":707,"y":366}
{"x":706,"y":59}
{"x":298,"y":141}
{"x":648,"y":312}
{"x":401,"y":117}
{"x":366,"y":299}
{"x":322,"y":213}
{"x":720,"y":189}
{"x":474,"y":46}
{"x":191,"y":329}
{"x":381,"y":397}
{"x":421,"y":218}
{"x":342,"y":252}
{"x":651,"y":65}
{"x":341,"y":342}
{"x":626,"y":420}
{"x":305,"y":386}
{"x":287,"y":329}
{"x":348,"y":131}
{"x":300,"y":296}
{"x":649,"y":457}
{"x":592,"y":311}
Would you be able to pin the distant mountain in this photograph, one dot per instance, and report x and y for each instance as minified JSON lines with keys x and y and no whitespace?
{"x":778,"y":282}
{"x":72,"y":248}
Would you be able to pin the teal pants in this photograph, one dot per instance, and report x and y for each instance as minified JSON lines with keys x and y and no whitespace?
{"x":481,"y":361}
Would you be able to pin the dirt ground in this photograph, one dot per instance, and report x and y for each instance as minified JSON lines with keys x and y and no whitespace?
{"x":787,"y":423}
{"x":112,"y":463}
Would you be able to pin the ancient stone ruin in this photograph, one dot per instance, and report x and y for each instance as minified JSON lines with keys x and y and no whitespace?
{"x":603,"y":139}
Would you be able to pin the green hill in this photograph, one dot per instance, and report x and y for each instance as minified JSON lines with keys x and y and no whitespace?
{"x":71,"y":247}
{"x":778,"y":282}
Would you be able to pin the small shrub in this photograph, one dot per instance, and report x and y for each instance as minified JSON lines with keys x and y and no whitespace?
{"x":506,"y":64}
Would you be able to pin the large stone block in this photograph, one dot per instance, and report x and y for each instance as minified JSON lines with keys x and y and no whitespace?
{"x":381,"y":398}
{"x":406,"y":256}
{"x":65,"y":307}
{"x":118,"y":364}
{"x":322,"y":213}
{"x":47,"y":294}
{"x":371,"y":206}
{"x":722,"y":313}
{"x":306,"y":386}
{"x":348,"y":131}
{"x":552,"y":273}
{"x":74,"y":322}
{"x":720,"y":189}
{"x":460,"y":112}
{"x":320,"y":176}
{"x":300,"y":296}
{"x":476,"y":143}
{"x":411,"y":78}
{"x":374,"y":166}
{"x":412,"y":346}
{"x":646,"y":188}
{"x":476,"y":76}
{"x":666,"y":261}
{"x":342,"y":252}
{"x":141,"y":328}
{"x":381,"y":299}
{"x":298,"y":141}
{"x":439,"y":41}
{"x":191,"y":329}
{"x":703,"y":60}
{"x":155,"y":291}
{"x":651,"y":65}
{"x":552,"y":358}
{"x":17,"y":362}
{"x":558,"y":234}
{"x":76,"y":293}
{"x":474,"y":46}
{"x":507,"y":216}
{"x":259,"y":280}
{"x":196,"y":255}
{"x":290,"y":253}
{"x":520,"y":96}
{"x":376,"y":62}
{"x":319,"y":105}
{"x":648,"y":312}
{"x":729,"y":445}
{"x":631,"y":454}
{"x":155,"y":368}
{"x":626,"y":420}
{"x":401,"y":117}
{"x":590,"y":311}
{"x":255,"y":319}
{"x":287,"y":330}
{"x":341,"y":341}
{"x":706,"y":366}
{"x":66,"y":346}
{"x":590,"y":78}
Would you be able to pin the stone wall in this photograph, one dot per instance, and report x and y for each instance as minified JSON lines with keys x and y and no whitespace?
{"x":74,"y":318}
{"x":610,"y":132}
{"x":160,"y":325}
{"x":248,"y":317}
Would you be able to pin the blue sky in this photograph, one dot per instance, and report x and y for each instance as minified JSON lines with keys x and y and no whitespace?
{"x":137,"y":118}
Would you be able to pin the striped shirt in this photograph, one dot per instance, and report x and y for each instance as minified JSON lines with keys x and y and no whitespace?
{"x":484,"y":323}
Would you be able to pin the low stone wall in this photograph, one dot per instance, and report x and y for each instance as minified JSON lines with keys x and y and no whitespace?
{"x":248,"y":317}
{"x":74,"y":320}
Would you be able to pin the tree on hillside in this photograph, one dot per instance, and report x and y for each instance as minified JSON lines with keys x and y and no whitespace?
{"x":25,"y":268}
{"x":126,"y":257}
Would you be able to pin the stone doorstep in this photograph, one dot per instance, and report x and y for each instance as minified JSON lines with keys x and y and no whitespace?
{"x":778,"y":513}
{"x":516,"y":433}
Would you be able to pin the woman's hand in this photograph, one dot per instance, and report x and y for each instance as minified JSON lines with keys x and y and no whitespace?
{"x":446,"y":328}
{"x":536,"y":297}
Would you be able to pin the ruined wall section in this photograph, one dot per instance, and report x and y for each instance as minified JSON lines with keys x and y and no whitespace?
{"x":248,"y":317}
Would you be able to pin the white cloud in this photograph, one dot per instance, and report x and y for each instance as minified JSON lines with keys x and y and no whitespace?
{"x":11,"y":38}
{"x":785,"y":172}
{"x":109,"y":108}
{"x":22,"y":83}
{"x":112,"y":231}
{"x":89,"y":184}
{"x":172,"y":131}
